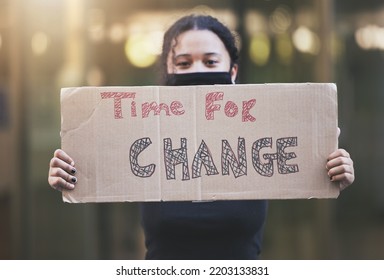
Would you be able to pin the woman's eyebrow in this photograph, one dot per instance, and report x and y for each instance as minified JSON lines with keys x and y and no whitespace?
{"x":186,"y":55}
{"x":212,"y":53}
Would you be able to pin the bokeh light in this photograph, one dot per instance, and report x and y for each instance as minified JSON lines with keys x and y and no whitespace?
{"x":141,"y":50}
{"x":117,"y":33}
{"x":260,"y":49}
{"x":96,"y":25}
{"x":306,"y":41}
{"x":281,"y":19}
{"x":39,"y":43}
{"x":255,"y":22}
{"x":370,"y":37}
{"x":95,"y":76}
{"x":284,"y":48}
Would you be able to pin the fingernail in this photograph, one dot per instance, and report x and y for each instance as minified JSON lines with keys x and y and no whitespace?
{"x":73,"y":170}
{"x":74,"y":180}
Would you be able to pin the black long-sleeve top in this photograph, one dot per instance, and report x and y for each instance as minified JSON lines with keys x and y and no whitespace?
{"x":204,"y":230}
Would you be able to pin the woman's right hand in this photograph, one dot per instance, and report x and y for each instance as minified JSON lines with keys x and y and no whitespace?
{"x":61,"y":171}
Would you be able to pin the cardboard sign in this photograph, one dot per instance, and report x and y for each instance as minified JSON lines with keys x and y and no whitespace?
{"x":223,"y":142}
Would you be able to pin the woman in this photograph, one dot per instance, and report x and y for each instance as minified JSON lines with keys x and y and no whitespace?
{"x":200,"y":50}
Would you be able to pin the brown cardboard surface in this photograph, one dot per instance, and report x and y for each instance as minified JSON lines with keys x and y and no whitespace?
{"x":223,"y":142}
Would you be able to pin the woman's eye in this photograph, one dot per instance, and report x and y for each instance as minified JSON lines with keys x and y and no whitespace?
{"x":211,"y":62}
{"x":183,"y":64}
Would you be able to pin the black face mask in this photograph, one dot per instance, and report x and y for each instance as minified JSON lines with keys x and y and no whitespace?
{"x":198,"y":78}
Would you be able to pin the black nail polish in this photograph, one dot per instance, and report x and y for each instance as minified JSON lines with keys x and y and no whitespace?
{"x":74,"y":180}
{"x":73,"y":171}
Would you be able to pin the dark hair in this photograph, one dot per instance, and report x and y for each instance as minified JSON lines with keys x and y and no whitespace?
{"x":198,"y":22}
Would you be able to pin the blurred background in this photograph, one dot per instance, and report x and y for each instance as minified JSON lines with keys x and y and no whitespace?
{"x":49,"y":44}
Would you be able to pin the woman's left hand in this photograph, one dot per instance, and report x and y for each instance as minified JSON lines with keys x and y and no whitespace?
{"x":340,"y":168}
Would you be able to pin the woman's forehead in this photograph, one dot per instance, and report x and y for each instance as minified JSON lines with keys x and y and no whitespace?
{"x":204,"y":41}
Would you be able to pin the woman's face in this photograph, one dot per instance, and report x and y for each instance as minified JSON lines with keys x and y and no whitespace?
{"x":199,"y":51}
